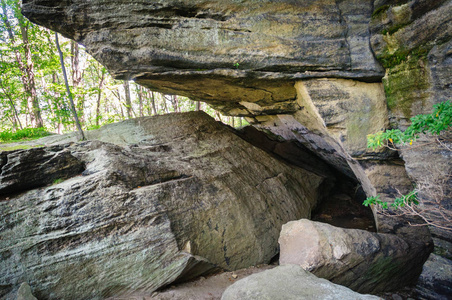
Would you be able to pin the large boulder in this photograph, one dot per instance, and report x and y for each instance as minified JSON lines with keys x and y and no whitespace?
{"x":177,"y":196}
{"x":289,"y":282}
{"x":364,"y":261}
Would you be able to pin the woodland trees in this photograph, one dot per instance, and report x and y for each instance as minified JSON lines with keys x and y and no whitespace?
{"x":32,"y":90}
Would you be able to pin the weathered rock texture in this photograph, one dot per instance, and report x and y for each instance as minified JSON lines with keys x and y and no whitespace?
{"x":288,"y":282}
{"x":24,"y":170}
{"x":310,"y":72}
{"x":186,"y":194}
{"x":221,"y":51}
{"x":24,"y":293}
{"x":412,"y":39}
{"x":363,"y":261}
{"x":435,"y":281}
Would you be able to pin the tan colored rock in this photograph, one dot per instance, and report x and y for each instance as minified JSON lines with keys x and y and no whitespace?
{"x":349,"y":109}
{"x":364,"y":261}
{"x":222,"y":52}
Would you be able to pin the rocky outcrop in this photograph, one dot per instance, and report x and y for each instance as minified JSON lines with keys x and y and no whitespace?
{"x":435,"y":281}
{"x":364,"y":261}
{"x":185,"y":197}
{"x":27,"y":169}
{"x":288,"y":282}
{"x":222,"y":52}
{"x":413,"y":41}
{"x":310,"y":73}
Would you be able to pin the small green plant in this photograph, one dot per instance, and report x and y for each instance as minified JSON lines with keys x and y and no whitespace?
{"x":23,"y":134}
{"x":57,"y":181}
{"x":236,"y":65}
{"x":405,"y":200}
{"x":434,"y":123}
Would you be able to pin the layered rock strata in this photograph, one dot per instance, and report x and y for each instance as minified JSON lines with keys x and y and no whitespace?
{"x":178,"y":196}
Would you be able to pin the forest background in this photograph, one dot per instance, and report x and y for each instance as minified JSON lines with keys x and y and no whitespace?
{"x":33,"y":92}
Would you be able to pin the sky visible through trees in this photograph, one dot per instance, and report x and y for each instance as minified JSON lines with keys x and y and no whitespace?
{"x":33,"y":94}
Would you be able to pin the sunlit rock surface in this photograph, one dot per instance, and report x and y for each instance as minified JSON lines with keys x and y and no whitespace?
{"x":177,"y":196}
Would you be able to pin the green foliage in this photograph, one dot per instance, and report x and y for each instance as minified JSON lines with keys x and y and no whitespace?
{"x":405,"y":200}
{"x":18,"y":147}
{"x":24,"y":134}
{"x":57,"y":181}
{"x":99,"y":98}
{"x":433,"y":123}
{"x":380,"y":11}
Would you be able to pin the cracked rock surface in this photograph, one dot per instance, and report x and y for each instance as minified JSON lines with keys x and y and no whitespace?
{"x":177,"y":196}
{"x":222,"y":52}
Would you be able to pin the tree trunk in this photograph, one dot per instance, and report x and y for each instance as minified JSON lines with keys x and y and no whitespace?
{"x":175,"y":103}
{"x":154,"y":108}
{"x":128,"y":101}
{"x":165,"y":107}
{"x":139,"y":91}
{"x":32,"y":98}
{"x":27,"y":72}
{"x":76,"y":80}
{"x":74,"y":112}
{"x":13,"y":107}
{"x":99,"y":94}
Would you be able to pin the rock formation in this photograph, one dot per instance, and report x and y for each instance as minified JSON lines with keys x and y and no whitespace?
{"x":320,"y":74}
{"x":185,"y":197}
{"x":288,"y":282}
{"x":364,"y":261}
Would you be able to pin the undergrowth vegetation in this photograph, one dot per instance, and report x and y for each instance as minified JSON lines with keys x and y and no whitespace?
{"x":23,"y":134}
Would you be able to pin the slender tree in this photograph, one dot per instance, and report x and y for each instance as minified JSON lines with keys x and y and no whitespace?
{"x":154,"y":108}
{"x":27,"y":67}
{"x":74,"y":112}
{"x":128,"y":101}
{"x":99,"y":93}
{"x":76,"y":80}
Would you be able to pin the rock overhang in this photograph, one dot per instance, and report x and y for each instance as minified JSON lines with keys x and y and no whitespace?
{"x":221,"y":52}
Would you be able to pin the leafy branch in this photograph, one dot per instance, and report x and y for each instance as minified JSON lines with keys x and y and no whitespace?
{"x":433,"y":213}
{"x":434,"y":123}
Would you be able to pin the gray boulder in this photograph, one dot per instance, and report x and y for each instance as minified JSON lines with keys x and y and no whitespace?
{"x":24,"y":292}
{"x":185,"y":198}
{"x":289,"y":282}
{"x":26,"y":169}
{"x":364,"y":261}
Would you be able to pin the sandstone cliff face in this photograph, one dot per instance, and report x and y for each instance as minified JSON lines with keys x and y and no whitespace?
{"x":223,"y":52}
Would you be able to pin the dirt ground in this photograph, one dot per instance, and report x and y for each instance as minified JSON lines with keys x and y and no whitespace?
{"x":204,"y":288}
